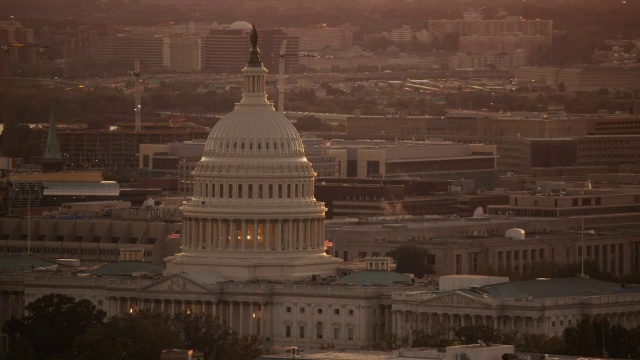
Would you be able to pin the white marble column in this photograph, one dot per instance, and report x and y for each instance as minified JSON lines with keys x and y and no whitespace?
{"x":394,"y":325}
{"x":289,"y":235}
{"x":308,"y":237}
{"x":244,"y":235}
{"x":184,"y":236}
{"x":300,"y":233}
{"x":201,"y":233}
{"x":251,"y":318}
{"x":209,"y":236}
{"x":216,"y":234}
{"x":263,"y":313}
{"x":233,"y":234}
{"x":278,"y":234}
{"x":226,"y":230}
{"x":241,"y":318}
{"x":193,"y":236}
{"x":255,"y":235}
{"x":266,"y":235}
{"x":322,"y":233}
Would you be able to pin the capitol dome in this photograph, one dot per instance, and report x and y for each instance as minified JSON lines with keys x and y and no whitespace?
{"x":253,"y":214}
{"x":241,"y":25}
{"x":248,"y":131}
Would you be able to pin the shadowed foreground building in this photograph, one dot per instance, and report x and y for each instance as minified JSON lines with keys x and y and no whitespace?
{"x":253,"y":254}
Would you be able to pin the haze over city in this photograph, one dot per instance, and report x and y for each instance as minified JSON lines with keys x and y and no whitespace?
{"x":366,"y":179}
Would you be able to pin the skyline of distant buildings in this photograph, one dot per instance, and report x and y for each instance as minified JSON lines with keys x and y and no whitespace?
{"x":205,"y":46}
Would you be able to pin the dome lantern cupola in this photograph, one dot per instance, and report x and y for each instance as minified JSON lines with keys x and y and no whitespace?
{"x":254,"y":75}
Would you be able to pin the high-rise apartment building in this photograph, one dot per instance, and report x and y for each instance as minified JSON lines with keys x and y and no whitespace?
{"x":225,"y":51}
{"x":322,"y":37}
{"x":149,"y":50}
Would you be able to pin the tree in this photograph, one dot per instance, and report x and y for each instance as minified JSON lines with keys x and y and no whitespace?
{"x":53,"y":323}
{"x":471,"y":334}
{"x":19,"y":349}
{"x":411,"y":259}
{"x":309,"y":123}
{"x":215,"y":339}
{"x":437,"y":337}
{"x":581,"y":340}
{"x":127,"y":337}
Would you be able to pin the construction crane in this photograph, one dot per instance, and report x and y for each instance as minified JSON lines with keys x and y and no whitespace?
{"x":6,"y":72}
{"x":283,"y":54}
{"x":6,"y":47}
{"x":137,"y":85}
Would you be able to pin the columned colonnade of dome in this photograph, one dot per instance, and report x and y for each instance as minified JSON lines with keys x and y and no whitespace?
{"x":252,"y":234}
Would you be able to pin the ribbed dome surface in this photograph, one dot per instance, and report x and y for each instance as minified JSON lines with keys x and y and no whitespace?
{"x":253,"y":131}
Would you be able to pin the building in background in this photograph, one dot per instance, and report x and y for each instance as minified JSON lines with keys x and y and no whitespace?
{"x":322,"y":37}
{"x":224,"y":51}
{"x":148,"y":49}
{"x":579,"y":78}
{"x":473,"y":23}
{"x":417,"y":159}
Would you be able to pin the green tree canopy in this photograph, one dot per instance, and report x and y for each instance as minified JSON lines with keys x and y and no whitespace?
{"x":215,"y":339}
{"x":473,"y":333}
{"x":127,"y":337}
{"x":53,"y":323}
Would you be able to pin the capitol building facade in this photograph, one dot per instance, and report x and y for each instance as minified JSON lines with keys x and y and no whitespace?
{"x":252,"y":253}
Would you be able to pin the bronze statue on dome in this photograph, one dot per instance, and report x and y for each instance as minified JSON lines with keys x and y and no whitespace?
{"x":254,"y":37}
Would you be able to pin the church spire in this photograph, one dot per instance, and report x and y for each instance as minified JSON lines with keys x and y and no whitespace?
{"x":52,"y":157}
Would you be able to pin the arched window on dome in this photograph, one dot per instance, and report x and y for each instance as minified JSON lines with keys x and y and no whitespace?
{"x":270,"y":191}
{"x":260,"y":191}
{"x":250,"y":191}
{"x":213,"y":190}
{"x":295,"y":188}
{"x":250,"y":146}
{"x":275,"y":146}
{"x":230,"y":194}
{"x":235,"y":145}
{"x":206,"y":189}
{"x":302,"y":191}
{"x":242,"y":146}
{"x":259,"y":146}
{"x":221,"y":191}
{"x":279,"y":191}
{"x":266,"y":145}
{"x":288,"y":191}
{"x":239,"y":195}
